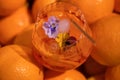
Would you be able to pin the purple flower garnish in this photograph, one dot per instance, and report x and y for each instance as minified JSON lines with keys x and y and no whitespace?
{"x":51,"y":27}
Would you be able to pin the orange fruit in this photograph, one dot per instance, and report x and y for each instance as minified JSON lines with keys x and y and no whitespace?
{"x":113,"y":73}
{"x":68,"y":75}
{"x":106,"y":33}
{"x":92,"y":67}
{"x":117,"y":5}
{"x":14,"y":67}
{"x":97,"y":77}
{"x":23,"y":51}
{"x":25,"y":37}
{"x":94,"y":9}
{"x":9,"y":6}
{"x":39,"y":4}
{"x":12,"y":25}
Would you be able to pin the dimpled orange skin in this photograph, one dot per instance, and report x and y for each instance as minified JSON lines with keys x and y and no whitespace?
{"x":113,"y":73}
{"x":9,"y":6}
{"x":106,"y":33}
{"x":68,"y":75}
{"x":117,"y":6}
{"x":12,"y":25}
{"x":95,"y":9}
{"x":15,"y":64}
{"x":39,"y":4}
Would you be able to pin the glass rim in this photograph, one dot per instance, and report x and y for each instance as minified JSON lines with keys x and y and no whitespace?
{"x":61,"y":6}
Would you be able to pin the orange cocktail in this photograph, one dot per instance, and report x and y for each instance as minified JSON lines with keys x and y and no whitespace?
{"x":61,"y":37}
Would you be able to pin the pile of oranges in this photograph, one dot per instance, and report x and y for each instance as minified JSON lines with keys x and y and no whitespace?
{"x":17,"y":20}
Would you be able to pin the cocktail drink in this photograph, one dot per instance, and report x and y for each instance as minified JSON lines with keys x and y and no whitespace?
{"x":61,"y":37}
